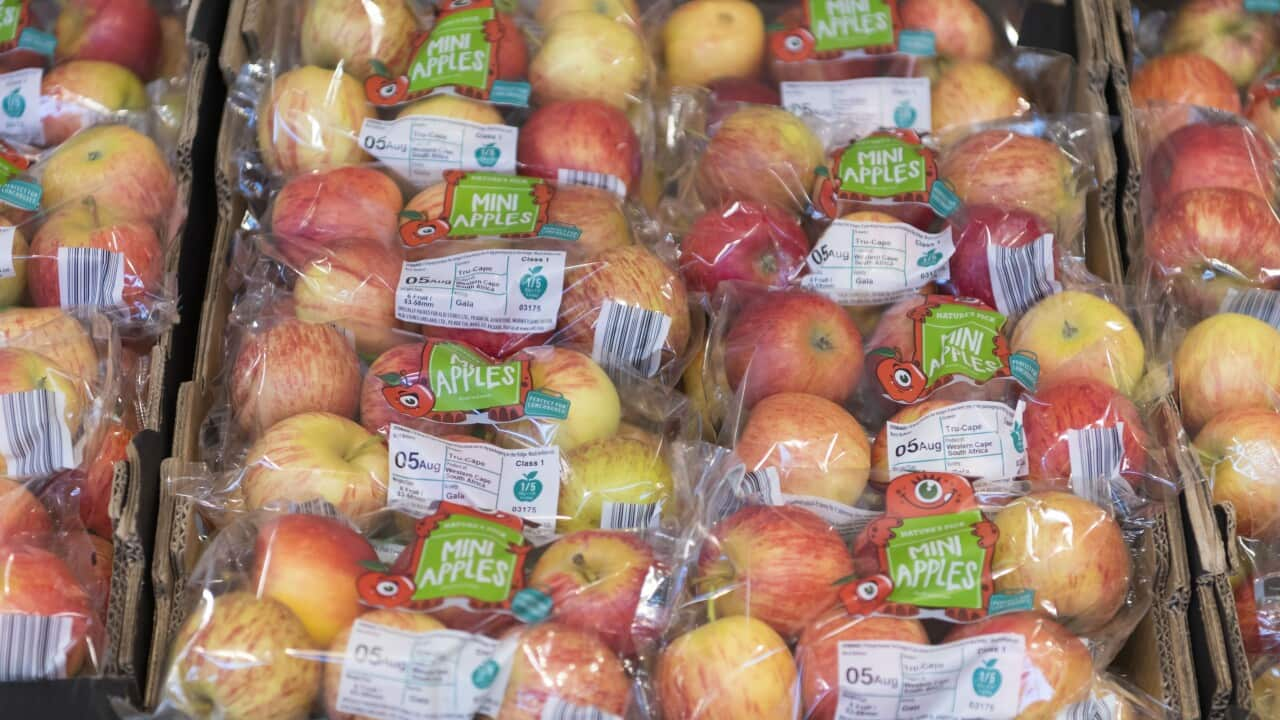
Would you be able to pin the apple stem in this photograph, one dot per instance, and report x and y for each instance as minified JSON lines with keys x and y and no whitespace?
{"x":1069,"y":330}
{"x":581,"y":563}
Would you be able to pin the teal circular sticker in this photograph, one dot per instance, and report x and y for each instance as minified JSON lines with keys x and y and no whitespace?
{"x":484,"y":675}
{"x":487,"y":155}
{"x":986,"y":679}
{"x":531,"y":605}
{"x":904,"y":116}
{"x":14,"y":104}
{"x":528,"y":488}
{"x":533,"y":285}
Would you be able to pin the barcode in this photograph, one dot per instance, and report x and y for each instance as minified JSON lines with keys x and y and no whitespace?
{"x":604,"y":181}
{"x":557,"y":709}
{"x":1022,"y":276}
{"x":757,"y":487}
{"x":34,"y":438}
{"x":314,"y":506}
{"x":630,"y":337}
{"x":1096,"y":455}
{"x":34,"y":647}
{"x":1261,"y":304}
{"x":629,"y":516}
{"x":1091,"y":709}
{"x":90,"y":276}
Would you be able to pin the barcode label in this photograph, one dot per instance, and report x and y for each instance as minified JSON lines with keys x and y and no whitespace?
{"x":1022,"y":276}
{"x":1096,"y":455}
{"x":1261,"y":304}
{"x":7,"y":269}
{"x":756,"y":487}
{"x":315,"y":506}
{"x":604,"y":181}
{"x":557,"y":709}
{"x":34,"y":647}
{"x":630,"y":516}
{"x":34,"y":438}
{"x":90,"y":276}
{"x":630,"y":337}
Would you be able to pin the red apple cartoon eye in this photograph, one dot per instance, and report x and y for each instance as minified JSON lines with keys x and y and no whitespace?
{"x":386,"y":90}
{"x":866,"y":596}
{"x":412,"y":400}
{"x":382,"y":590}
{"x":901,"y":381}
{"x":793,"y":45}
{"x":423,"y":232}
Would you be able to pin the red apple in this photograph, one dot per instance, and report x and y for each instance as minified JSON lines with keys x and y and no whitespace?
{"x":352,"y":283}
{"x":583,"y":136}
{"x":95,"y":488}
{"x":100,"y":561}
{"x":119,"y":167}
{"x":552,"y":660}
{"x":734,"y":667}
{"x":969,"y":92}
{"x":90,"y":224}
{"x":596,"y":213}
{"x":987,"y":226}
{"x":376,"y":414}
{"x":1208,"y":155}
{"x":309,"y":119}
{"x":22,"y":516}
{"x":76,"y":91}
{"x":1223,"y":31}
{"x":1260,"y":629}
{"x":1226,"y":362}
{"x":317,"y":210}
{"x":818,"y":653}
{"x":37,"y":582}
{"x":352,"y":34}
{"x":760,"y":153}
{"x":961,"y":30}
{"x":792,"y":341}
{"x":743,"y":241}
{"x":1076,"y":404}
{"x":125,"y":32}
{"x":1240,"y":453}
{"x":57,"y":335}
{"x":1186,"y":78}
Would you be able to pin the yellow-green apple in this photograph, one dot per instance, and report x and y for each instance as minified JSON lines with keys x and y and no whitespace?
{"x":1060,"y":659}
{"x":1078,"y":404}
{"x":87,"y":223}
{"x":317,"y":455}
{"x":1009,"y":170}
{"x":580,"y":135}
{"x":1074,"y":334}
{"x":1226,"y":362}
{"x":631,"y":275}
{"x":1209,"y":155}
{"x":11,"y":288}
{"x":1223,"y":31}
{"x":316,"y":210}
{"x":818,"y":653}
{"x":587,"y":56}
{"x":352,"y":283}
{"x":594,"y":579}
{"x":454,"y":106}
{"x":310,"y":119}
{"x":1240,"y":452}
{"x":905,"y":415}
{"x":119,"y":167}
{"x":95,"y":487}
{"x":743,"y":240}
{"x":352,"y":33}
{"x":376,"y":414}
{"x":610,"y":470}
{"x":792,"y":341}
{"x":961,"y":30}
{"x":760,"y":153}
{"x":408,"y":621}
{"x":817,"y":447}
{"x":24,"y":370}
{"x":731,"y":668}
{"x":968,"y":92}
{"x":1069,"y":551}
{"x":1187,"y":78}
{"x":100,"y":561}
{"x":78,"y":89}
{"x":125,"y":32}
{"x":553,"y":660}
{"x":619,"y":10}
{"x":712,"y":40}
{"x":55,"y":334}
{"x":1206,"y":241}
{"x":595,"y":410}
{"x":22,"y":516}
{"x":310,"y":563}
{"x":240,"y":656}
{"x":701,"y":394}
{"x":292,"y":367}
{"x":778,"y":564}
{"x":987,"y":226}
{"x":38,"y":582}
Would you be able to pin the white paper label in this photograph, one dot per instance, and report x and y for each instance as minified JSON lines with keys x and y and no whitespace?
{"x":1254,"y":302}
{"x":630,"y":337}
{"x":420,"y":148}
{"x":1105,"y":707}
{"x":395,"y":674}
{"x":976,"y":678}
{"x":34,"y":437}
{"x":90,"y":277}
{"x":557,"y":709}
{"x":847,"y":520}
{"x":20,"y":119}
{"x":869,"y":104}
{"x":7,"y":269}
{"x":978,"y":439}
{"x":426,"y":470}
{"x":603,"y":181}
{"x":1022,"y":276}
{"x":862,"y":263}
{"x":514,"y":291}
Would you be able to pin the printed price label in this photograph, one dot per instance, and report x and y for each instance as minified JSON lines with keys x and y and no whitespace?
{"x":420,"y":148}
{"x":978,"y":439}
{"x":864,"y":105}
{"x":496,"y":290}
{"x":20,"y":106}
{"x":860,"y":263}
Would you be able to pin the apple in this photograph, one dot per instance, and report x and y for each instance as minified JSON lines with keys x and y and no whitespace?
{"x":1266,"y":691}
{"x":1221,"y":30}
{"x":895,"y":329}
{"x":89,"y":224}
{"x":817,"y":447}
{"x":1060,"y":659}
{"x":99,"y":476}
{"x":173,"y":48}
{"x":778,"y":564}
{"x":453,"y":106}
{"x":818,"y":653}
{"x":905,"y":415}
{"x":23,"y":518}
{"x":119,"y":167}
{"x":353,"y":284}
{"x":1206,"y":241}
{"x":611,"y":470}
{"x":77,"y":90}
{"x":1187,"y":78}
{"x":579,"y":135}
{"x":12,"y":288}
{"x":619,"y":10}
{"x":317,"y":455}
{"x":414,"y":622}
{"x":734,"y":667}
{"x":986,"y":226}
{"x":1226,"y":362}
{"x":310,"y":120}
{"x":352,"y":33}
{"x":24,"y":370}
{"x":1259,"y":629}
{"x":743,"y":241}
{"x":701,"y":394}
{"x":632,"y":275}
{"x":240,"y":656}
{"x":1074,"y":334}
{"x":317,"y":210}
{"x":595,"y":410}
{"x":57,"y":335}
{"x":100,"y":561}
{"x":588,"y":56}
{"x":728,"y":94}
{"x":713,"y":40}
{"x":968,"y":92}
{"x":37,"y":582}
{"x":594,"y":579}
{"x":376,"y":414}
{"x":1240,"y":452}
{"x":760,"y":153}
{"x":1077,"y":404}
{"x":125,"y":32}
{"x":1209,"y":155}
{"x":553,"y":660}
{"x":961,"y":30}
{"x":792,"y":341}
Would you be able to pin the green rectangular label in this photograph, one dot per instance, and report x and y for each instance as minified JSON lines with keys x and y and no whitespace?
{"x":493,"y":204}
{"x":883,"y":166}
{"x":10,"y":16}
{"x":936,"y":561}
{"x":462,"y":380}
{"x":21,"y":194}
{"x":457,"y":53}
{"x":467,"y":556}
{"x":850,"y":24}
{"x":38,"y":41}
{"x":960,"y":340}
